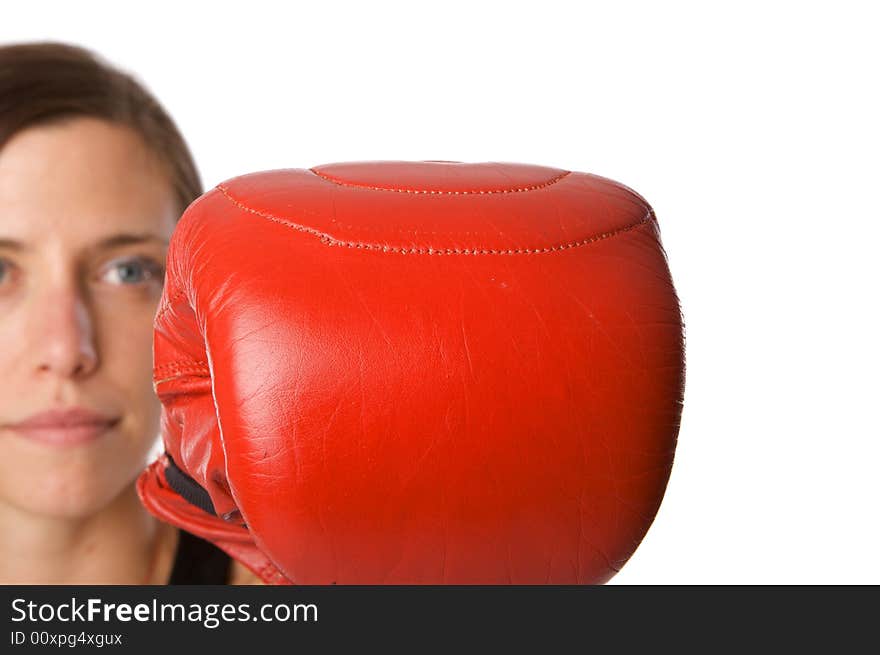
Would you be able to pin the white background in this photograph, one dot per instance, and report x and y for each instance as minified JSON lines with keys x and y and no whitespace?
{"x":752,"y":130}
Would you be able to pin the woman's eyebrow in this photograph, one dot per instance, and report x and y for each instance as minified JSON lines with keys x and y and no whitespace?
{"x":114,"y":241}
{"x":12,"y":244}
{"x":126,"y":240}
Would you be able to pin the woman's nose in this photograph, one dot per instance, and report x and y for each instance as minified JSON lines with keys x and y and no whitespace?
{"x":66,"y":344}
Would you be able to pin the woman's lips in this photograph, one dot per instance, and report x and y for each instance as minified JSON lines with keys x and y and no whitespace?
{"x":64,"y":427}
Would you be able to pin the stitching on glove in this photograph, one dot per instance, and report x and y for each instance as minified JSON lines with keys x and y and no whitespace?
{"x":181,"y":364}
{"x":180,"y":369}
{"x":474,"y":192}
{"x":167,"y":304}
{"x":383,"y":247}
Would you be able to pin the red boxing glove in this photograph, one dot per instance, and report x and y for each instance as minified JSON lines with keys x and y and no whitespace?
{"x":417,"y":373}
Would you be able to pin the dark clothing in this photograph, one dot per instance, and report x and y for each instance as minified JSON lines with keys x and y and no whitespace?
{"x":199,"y":562}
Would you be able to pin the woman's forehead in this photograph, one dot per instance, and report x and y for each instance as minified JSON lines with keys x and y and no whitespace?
{"x":86,"y":180}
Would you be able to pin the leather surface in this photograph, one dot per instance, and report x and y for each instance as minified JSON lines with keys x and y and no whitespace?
{"x":419,"y":372}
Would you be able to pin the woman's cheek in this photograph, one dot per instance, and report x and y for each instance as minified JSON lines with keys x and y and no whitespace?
{"x":12,"y":331}
{"x":127,"y":337}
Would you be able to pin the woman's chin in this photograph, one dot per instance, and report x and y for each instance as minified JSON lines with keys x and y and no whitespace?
{"x":65,"y":501}
{"x":78,"y":488}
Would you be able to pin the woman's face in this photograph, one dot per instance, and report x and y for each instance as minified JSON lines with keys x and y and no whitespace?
{"x":86,"y":211}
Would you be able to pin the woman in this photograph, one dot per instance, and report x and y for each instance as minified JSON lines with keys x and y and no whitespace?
{"x":93,"y":177}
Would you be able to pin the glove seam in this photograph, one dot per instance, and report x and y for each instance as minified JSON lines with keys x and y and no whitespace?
{"x":332,"y":241}
{"x":179,"y":369}
{"x":167,"y":304}
{"x":182,"y":363}
{"x":434,"y":192}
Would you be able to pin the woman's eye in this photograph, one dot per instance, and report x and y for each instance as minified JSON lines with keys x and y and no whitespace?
{"x":5,"y":271}
{"x":134,"y":271}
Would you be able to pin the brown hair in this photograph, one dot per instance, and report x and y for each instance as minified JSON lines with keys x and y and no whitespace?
{"x":42,"y":83}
